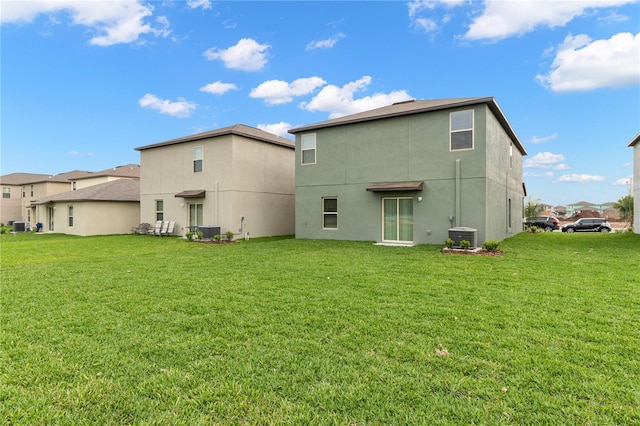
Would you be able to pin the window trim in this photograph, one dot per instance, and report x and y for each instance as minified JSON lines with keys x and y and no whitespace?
{"x":70,"y":215}
{"x":6,"y":192}
{"x":303,"y":149}
{"x":196,"y":158}
{"x":471,"y":129}
{"x":160,"y":212}
{"x":326,"y":213}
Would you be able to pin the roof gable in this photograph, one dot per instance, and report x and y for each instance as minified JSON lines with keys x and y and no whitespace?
{"x":238,"y":129}
{"x":635,"y":140}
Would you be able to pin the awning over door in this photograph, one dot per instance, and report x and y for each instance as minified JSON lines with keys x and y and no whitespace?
{"x":396,"y":186}
{"x":192,"y":193}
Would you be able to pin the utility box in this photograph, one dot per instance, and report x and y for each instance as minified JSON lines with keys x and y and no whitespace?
{"x":19,"y":226}
{"x":460,"y":233}
{"x":209,"y":231}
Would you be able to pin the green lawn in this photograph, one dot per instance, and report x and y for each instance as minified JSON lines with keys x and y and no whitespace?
{"x":147,"y":330}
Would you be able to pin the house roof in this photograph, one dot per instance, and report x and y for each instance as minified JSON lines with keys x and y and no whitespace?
{"x":395,"y":186}
{"x":116,"y":190}
{"x":191,"y":193}
{"x":238,"y":129}
{"x":417,"y":107}
{"x":18,"y":179}
{"x":635,"y":140}
{"x":126,"y":171}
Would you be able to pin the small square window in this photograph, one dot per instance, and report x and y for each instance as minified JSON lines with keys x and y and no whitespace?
{"x":159,"y":210}
{"x":461,"y":127}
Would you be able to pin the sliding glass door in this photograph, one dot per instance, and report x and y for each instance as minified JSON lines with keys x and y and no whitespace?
{"x":397,"y":219}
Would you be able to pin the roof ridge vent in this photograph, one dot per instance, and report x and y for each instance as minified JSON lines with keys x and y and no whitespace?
{"x":403,"y":102}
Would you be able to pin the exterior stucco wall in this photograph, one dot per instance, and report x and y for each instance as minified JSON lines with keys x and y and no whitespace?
{"x":11,"y":208}
{"x":241,"y":177}
{"x":411,"y":148}
{"x":406,"y":148}
{"x":90,"y":217}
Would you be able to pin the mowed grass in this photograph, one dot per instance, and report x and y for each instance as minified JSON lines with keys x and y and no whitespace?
{"x":153,"y":331}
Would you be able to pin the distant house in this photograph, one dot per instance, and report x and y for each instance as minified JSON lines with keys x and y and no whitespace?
{"x":635,"y":144}
{"x":14,"y":187}
{"x":112,"y":207}
{"x":408,"y":172}
{"x":238,"y":178}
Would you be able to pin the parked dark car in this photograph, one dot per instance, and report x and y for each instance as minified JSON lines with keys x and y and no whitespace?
{"x":548,"y":223}
{"x":588,"y":225}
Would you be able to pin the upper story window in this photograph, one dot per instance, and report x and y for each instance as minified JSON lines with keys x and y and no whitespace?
{"x":461,"y":125}
{"x":32,"y":190}
{"x":24,"y":191}
{"x":308,"y":148}
{"x":6,"y":192}
{"x":74,"y":185}
{"x":197,"y":159}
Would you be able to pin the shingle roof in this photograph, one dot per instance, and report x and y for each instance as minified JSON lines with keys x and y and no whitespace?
{"x":128,"y":170}
{"x":116,"y":190}
{"x":22,"y":178}
{"x":417,"y":107}
{"x":238,"y":129}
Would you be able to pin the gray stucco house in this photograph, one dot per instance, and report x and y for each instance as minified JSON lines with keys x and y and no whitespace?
{"x":409,"y":172}
{"x":635,"y":144}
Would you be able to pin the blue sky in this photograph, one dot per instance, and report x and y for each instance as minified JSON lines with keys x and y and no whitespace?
{"x":85,"y":82}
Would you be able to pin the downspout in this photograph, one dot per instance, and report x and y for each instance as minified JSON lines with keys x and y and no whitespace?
{"x":457,"y":209}
{"x":217,"y":197}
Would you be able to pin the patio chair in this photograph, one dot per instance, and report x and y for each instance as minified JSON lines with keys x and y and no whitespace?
{"x":143,"y":228}
{"x":163,"y":228}
{"x":157,"y":228}
{"x":172,"y":225}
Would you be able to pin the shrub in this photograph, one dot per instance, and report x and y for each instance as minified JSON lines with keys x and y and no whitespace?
{"x":189,"y":235}
{"x":199,"y":234}
{"x":491,"y":245}
{"x":229,"y":235}
{"x":448,"y":243}
{"x":464,"y":245}
{"x":217,"y":237}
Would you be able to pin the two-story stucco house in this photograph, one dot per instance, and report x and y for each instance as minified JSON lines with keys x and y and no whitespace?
{"x":635,"y":144}
{"x":409,"y":172}
{"x":14,"y":187}
{"x":238,"y":178}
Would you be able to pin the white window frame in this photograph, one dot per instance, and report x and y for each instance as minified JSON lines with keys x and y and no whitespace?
{"x":6,"y":192}
{"x":310,"y":139}
{"x":198,"y":155}
{"x":326,"y":213}
{"x":160,"y":212}
{"x":460,"y":130}
{"x":70,"y":215}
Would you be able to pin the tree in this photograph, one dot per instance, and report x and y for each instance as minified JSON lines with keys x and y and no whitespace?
{"x":533,"y":208}
{"x":625,"y":208}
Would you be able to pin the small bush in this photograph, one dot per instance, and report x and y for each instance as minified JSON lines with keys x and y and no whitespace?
{"x":448,"y":243}
{"x":189,"y":235}
{"x":229,"y":235}
{"x":199,"y":234}
{"x":217,"y":237}
{"x":464,"y":245}
{"x":491,"y":245}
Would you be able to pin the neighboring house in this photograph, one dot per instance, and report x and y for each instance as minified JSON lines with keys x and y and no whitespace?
{"x":111,"y":207}
{"x":408,"y":172}
{"x":238,"y":178}
{"x":635,"y":144}
{"x":13,"y":186}
{"x":128,"y":171}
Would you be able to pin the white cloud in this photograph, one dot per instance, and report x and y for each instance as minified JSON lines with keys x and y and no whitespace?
{"x":542,"y":139}
{"x":80,"y":154}
{"x":583,"y":64}
{"x":581,"y":178}
{"x":279,"y":129}
{"x":110,"y":22}
{"x":218,"y":88}
{"x":193,"y":4}
{"x":502,"y":19}
{"x":246,"y":55}
{"x":325,"y":44}
{"x":181,"y":108}
{"x":624,"y":181}
{"x":543,"y":160}
{"x":276,"y":92}
{"x":418,"y":8}
{"x":531,"y":174}
{"x":339,"y":101}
